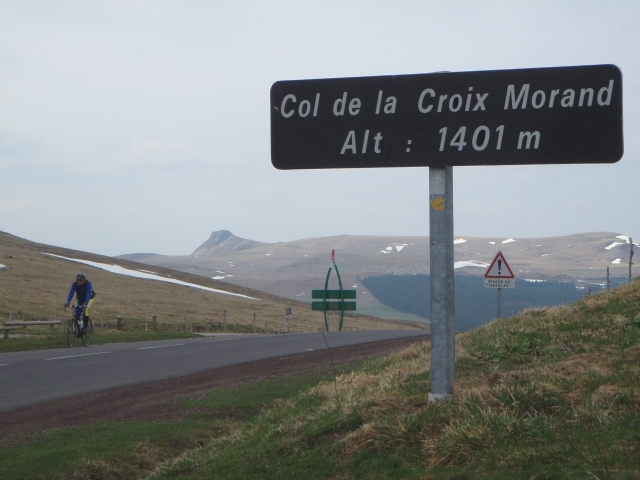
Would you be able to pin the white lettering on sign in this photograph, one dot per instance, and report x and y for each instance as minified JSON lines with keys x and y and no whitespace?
{"x":354,"y":106}
{"x":455,"y":102}
{"x":458,"y":139}
{"x":376,"y":147}
{"x":499,"y":283}
{"x":390,"y":105}
{"x":480,"y":101}
{"x":485,"y":131}
{"x":426,"y":91}
{"x":601,"y":101}
{"x":303,"y":109}
{"x":284,"y":103}
{"x":350,"y":143}
{"x":582,"y":94}
{"x":511,"y":94}
{"x":539,"y":97}
{"x":529,"y":136}
{"x":339,"y":104}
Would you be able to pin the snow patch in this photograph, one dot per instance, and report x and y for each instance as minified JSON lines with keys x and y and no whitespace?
{"x":459,"y":241}
{"x":544,"y":255}
{"x":614,"y":244}
{"x":148,"y":276}
{"x":617,"y":261}
{"x":626,"y":239}
{"x":3,"y":267}
{"x":532,"y":280}
{"x":399,"y":247}
{"x":492,"y":243}
{"x":470,"y":263}
{"x":508,"y":240}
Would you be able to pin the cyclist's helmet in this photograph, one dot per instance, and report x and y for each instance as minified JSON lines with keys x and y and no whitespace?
{"x":81,"y":276}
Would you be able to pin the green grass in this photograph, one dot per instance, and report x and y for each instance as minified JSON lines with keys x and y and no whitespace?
{"x":124,"y":450}
{"x":549,"y":393}
{"x":106,"y":451}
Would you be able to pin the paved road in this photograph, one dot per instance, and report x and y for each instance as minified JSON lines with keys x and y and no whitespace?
{"x":27,"y":378}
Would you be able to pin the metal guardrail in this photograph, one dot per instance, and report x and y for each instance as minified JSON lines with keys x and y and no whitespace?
{"x":17,"y":323}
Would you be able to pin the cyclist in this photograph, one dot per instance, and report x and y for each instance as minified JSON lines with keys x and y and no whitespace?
{"x":84,"y":294}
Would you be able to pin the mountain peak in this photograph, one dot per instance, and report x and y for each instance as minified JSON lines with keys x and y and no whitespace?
{"x":223,"y":242}
{"x":220,"y":236}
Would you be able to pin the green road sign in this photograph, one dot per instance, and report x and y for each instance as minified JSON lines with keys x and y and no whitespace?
{"x":334,"y":306}
{"x":333,"y":294}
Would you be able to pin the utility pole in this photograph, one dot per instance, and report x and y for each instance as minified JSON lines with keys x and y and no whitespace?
{"x":630,"y":256}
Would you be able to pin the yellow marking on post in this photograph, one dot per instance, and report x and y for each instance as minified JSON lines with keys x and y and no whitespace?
{"x":438,"y":204}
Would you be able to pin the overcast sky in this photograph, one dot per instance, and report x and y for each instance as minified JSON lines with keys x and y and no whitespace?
{"x":143,"y":126}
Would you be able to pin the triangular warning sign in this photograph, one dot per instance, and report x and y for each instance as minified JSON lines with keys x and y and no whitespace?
{"x":499,"y":268}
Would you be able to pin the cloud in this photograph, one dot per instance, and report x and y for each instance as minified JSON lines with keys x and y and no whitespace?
{"x":157,"y":148}
{"x":156,"y":153}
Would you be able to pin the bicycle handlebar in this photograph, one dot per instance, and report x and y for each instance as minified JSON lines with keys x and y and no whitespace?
{"x":74,"y":306}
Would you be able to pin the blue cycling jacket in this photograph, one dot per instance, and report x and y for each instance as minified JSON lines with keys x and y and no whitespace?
{"x":87,"y":287}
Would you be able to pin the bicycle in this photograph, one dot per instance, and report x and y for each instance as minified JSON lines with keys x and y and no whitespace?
{"x":75,"y":332}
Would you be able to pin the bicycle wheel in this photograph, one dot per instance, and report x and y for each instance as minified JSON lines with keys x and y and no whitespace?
{"x":88,"y":334}
{"x":72,"y":332}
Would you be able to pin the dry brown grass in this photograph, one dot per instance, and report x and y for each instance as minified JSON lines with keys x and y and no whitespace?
{"x":549,"y":393}
{"x":36,"y":285}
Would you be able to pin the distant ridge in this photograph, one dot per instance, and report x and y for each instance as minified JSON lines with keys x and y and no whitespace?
{"x":224,"y":242}
{"x":138,"y":257}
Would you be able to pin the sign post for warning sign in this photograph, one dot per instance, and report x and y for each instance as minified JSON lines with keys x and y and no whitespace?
{"x":499,"y":275}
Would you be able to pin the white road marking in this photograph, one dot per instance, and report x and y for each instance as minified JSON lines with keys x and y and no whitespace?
{"x":73,"y":356}
{"x":162,"y":346}
{"x":3,"y":364}
{"x":223,"y":340}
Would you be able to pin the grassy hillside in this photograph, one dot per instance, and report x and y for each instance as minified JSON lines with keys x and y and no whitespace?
{"x":35,"y":285}
{"x":549,"y":393}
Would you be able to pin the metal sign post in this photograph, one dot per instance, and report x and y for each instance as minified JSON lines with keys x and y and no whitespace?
{"x":287,"y":323}
{"x":630,"y":256}
{"x":441,"y":272}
